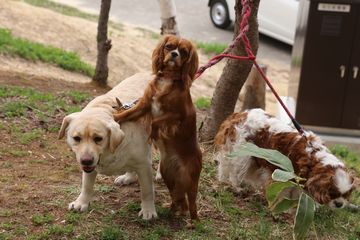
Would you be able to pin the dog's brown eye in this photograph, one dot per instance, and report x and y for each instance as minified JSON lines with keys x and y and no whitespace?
{"x":77,"y":138}
{"x":169,"y":47}
{"x":97,"y":139}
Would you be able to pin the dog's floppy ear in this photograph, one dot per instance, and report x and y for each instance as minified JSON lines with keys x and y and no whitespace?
{"x":355,"y":183}
{"x":318,"y":188}
{"x":65,"y":123}
{"x":158,"y":56}
{"x":116,"y":136}
{"x":190,"y":67}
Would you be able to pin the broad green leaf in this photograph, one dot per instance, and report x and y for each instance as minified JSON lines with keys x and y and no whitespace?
{"x":283,"y":176}
{"x":283,"y":205}
{"x":304,"y":216}
{"x":274,"y":190}
{"x":273,"y":156}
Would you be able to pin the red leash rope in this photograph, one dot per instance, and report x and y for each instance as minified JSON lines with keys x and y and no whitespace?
{"x":244,"y":27}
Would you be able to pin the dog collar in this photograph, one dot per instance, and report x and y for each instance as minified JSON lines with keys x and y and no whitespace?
{"x":127,"y":105}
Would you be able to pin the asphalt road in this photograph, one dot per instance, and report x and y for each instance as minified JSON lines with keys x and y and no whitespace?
{"x":193,"y":20}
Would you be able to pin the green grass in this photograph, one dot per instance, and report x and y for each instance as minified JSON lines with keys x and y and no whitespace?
{"x":104,"y":188}
{"x":158,"y":232}
{"x":71,"y":190}
{"x":149,"y":33}
{"x":69,"y":11}
{"x":6,"y":213}
{"x":350,"y":158}
{"x":27,"y":137}
{"x":32,"y":51}
{"x":336,"y":223}
{"x":211,"y":48}
{"x":6,"y":226}
{"x":19,"y":101}
{"x":203,"y":103}
{"x":112,"y":232}
{"x":14,"y":109}
{"x":132,"y":207}
{"x":61,"y":8}
{"x":39,"y":219}
{"x":54,"y":232}
{"x":6,"y":165}
{"x":79,"y":97}
{"x":33,"y":113}
{"x":73,"y":217}
{"x":60,"y":230}
{"x":5,"y":236}
{"x":18,"y":153}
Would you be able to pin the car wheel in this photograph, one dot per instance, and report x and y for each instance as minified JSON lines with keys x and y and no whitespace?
{"x":219,"y":13}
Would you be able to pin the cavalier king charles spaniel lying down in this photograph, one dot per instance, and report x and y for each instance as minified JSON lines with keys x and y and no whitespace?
{"x":327,"y":180}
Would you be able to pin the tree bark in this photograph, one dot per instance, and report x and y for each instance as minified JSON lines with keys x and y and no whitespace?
{"x":232,"y":78}
{"x":254,"y":90}
{"x":103,"y":45}
{"x":168,"y":17}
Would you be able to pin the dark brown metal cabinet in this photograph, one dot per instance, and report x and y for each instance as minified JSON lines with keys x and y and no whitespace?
{"x":329,"y":88}
{"x":351,"y":113}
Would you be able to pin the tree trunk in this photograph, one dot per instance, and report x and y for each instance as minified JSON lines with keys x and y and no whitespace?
{"x":232,"y":78}
{"x":103,"y":45}
{"x":168,"y":15}
{"x":254,"y":90}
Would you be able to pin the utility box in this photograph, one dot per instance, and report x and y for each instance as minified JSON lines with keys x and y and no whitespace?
{"x":325,"y":68}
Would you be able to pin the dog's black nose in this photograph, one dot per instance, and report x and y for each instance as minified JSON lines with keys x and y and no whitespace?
{"x":174,"y":54}
{"x":87,"y":161}
{"x":338,"y":204}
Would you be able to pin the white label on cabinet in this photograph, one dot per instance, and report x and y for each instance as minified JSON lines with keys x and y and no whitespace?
{"x":329,"y":7}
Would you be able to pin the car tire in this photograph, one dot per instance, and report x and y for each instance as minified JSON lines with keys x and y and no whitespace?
{"x":219,"y":13}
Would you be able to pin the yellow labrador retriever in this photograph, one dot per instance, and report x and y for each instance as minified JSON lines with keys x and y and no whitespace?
{"x":101,"y":146}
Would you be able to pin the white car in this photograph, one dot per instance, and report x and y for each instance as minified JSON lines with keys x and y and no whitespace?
{"x":277,"y":18}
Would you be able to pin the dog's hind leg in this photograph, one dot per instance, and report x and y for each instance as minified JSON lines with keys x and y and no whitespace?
{"x":87,"y":190}
{"x":179,"y":204}
{"x":191,"y":195}
{"x":126,"y":179}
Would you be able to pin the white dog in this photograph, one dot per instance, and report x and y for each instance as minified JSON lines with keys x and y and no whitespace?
{"x":102,"y":147}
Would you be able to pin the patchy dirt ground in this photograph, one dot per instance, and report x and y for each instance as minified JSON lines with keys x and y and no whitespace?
{"x":39,"y":178}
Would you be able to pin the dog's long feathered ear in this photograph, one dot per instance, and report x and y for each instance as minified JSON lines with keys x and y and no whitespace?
{"x":318,"y":187}
{"x":116,"y":136}
{"x":65,"y":123}
{"x":158,"y":56}
{"x":190,"y":67}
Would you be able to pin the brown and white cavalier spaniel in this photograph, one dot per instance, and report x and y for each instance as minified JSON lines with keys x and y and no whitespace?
{"x":172,"y":120}
{"x":327,"y":180}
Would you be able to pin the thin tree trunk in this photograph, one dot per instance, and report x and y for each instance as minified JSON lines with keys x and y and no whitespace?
{"x":232,"y":78}
{"x":254,"y":90}
{"x":103,"y":45}
{"x":168,"y":17}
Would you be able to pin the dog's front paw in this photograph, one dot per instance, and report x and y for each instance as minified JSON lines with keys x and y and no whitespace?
{"x":148,"y":213}
{"x":79,"y":205}
{"x":125,"y":179}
